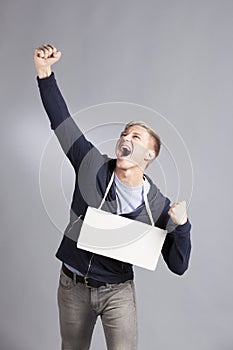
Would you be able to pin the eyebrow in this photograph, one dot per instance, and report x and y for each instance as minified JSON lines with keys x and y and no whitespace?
{"x":137,"y":134}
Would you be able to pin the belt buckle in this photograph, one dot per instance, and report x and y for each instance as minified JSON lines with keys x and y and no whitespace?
{"x":86,"y":282}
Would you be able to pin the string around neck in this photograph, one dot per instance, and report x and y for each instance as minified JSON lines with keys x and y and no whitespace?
{"x":149,"y":213}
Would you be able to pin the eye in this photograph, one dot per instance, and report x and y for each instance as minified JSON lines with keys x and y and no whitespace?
{"x":136,"y":137}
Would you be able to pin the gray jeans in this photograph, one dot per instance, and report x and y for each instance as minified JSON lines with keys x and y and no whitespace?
{"x":80,"y":306}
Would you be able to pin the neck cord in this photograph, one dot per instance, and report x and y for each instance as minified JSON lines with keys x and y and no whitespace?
{"x":144,"y":197}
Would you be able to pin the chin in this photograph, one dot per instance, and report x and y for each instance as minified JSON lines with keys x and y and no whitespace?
{"x":124,"y":163}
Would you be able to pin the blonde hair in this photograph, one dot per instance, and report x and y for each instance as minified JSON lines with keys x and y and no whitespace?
{"x":157,"y":144}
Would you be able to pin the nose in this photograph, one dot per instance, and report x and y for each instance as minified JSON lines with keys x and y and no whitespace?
{"x":126,"y":138}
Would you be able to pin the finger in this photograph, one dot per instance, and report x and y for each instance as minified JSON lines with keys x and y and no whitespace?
{"x":174,"y":205}
{"x":175,"y":209}
{"x":47,"y":51}
{"x":181,"y":204}
{"x":51,"y":46}
{"x":171,"y":213}
{"x":52,"y":50}
{"x":177,"y":204}
{"x":43,"y":51}
{"x":39,"y":52}
{"x":56,"y":53}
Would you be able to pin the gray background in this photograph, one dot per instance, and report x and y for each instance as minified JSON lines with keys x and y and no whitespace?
{"x":173,"y":56}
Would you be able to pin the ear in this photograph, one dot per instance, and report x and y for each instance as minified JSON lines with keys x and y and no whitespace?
{"x":150,"y":155}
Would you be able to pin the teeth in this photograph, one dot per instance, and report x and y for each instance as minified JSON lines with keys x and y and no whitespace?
{"x":125,"y":148}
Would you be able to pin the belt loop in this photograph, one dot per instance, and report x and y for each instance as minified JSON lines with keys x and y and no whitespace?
{"x":74,"y":278}
{"x":109,"y":285}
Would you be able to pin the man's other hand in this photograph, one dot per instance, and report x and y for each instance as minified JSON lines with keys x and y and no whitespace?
{"x":178,"y":213}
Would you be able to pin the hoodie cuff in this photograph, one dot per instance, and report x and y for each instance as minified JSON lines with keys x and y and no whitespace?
{"x":184,"y":228}
{"x":43,"y":82}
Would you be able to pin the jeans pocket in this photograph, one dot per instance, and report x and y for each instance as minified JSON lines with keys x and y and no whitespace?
{"x":120,"y":286}
{"x":65,"y":281}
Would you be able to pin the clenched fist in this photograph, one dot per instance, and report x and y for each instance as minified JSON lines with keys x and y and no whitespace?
{"x":44,"y":57}
{"x":178,"y":213}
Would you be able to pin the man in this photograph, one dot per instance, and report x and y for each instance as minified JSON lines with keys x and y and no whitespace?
{"x":92,"y":285}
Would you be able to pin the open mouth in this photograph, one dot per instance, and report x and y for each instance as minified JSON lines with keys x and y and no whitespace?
{"x":125,"y":151}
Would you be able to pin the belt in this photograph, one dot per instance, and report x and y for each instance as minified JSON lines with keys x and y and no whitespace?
{"x":89,"y":282}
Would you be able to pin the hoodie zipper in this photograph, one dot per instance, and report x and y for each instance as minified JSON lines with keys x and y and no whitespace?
{"x":89,"y":265}
{"x":90,"y":261}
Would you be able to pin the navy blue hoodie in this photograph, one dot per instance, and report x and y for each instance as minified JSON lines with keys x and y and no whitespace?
{"x":93,"y":171}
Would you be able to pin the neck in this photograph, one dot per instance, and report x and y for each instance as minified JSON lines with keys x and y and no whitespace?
{"x":130,"y":177}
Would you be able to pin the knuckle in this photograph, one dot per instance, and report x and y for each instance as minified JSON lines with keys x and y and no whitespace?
{"x":51,"y":47}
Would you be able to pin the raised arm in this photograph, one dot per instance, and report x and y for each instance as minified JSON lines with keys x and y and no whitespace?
{"x":71,"y":138}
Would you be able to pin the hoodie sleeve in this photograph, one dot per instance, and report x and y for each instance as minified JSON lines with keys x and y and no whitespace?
{"x":177,"y":245}
{"x":71,"y":138}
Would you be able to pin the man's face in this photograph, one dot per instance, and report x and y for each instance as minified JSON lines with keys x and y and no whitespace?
{"x":133,"y":146}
